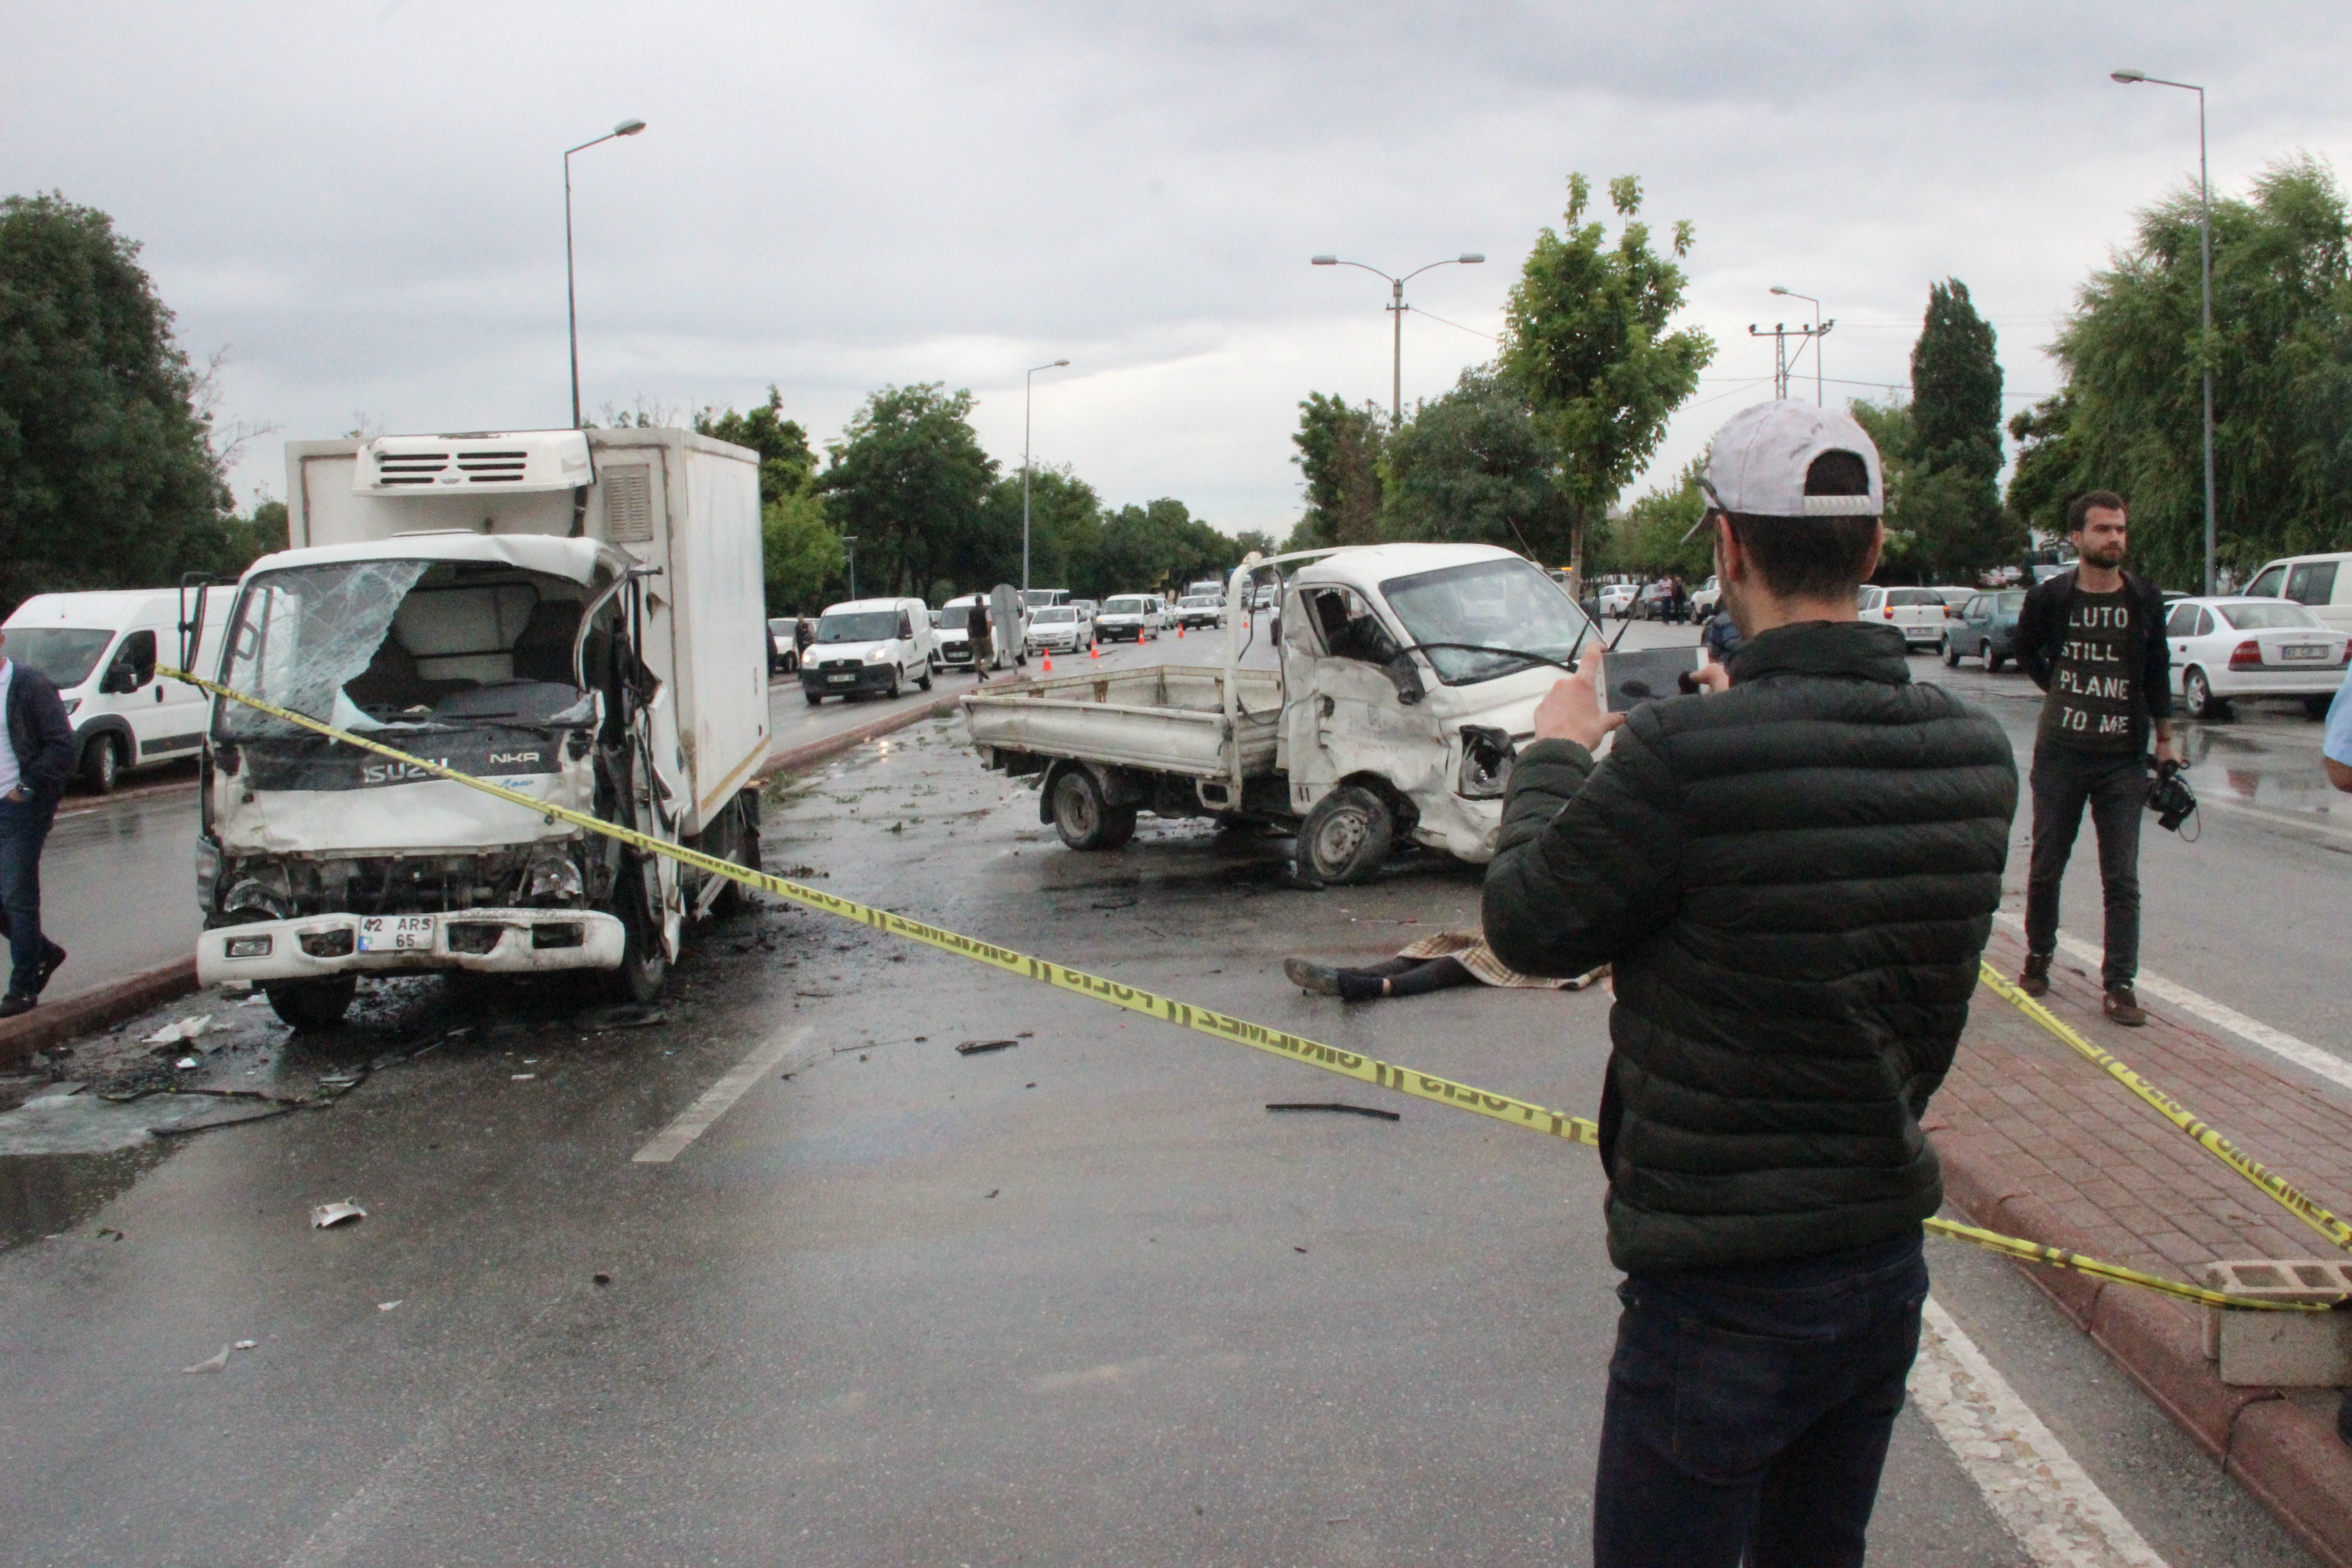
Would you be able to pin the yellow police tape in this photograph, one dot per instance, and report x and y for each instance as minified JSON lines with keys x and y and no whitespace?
{"x":1203,"y":1020}
{"x":2287,"y":1194}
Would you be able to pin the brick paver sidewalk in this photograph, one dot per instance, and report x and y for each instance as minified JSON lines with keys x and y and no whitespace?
{"x":2038,"y":1142}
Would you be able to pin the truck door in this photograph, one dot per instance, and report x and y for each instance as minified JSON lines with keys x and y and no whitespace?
{"x":1343,"y":713}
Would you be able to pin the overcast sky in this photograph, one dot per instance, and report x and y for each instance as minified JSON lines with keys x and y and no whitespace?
{"x":365,"y":203}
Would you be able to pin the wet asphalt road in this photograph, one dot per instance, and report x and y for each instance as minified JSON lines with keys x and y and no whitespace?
{"x":1079,"y":1300}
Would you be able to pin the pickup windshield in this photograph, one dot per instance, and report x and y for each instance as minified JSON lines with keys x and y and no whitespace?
{"x":1491,"y":604}
{"x":65,"y":653}
{"x":365,"y":644}
{"x":860,"y":626}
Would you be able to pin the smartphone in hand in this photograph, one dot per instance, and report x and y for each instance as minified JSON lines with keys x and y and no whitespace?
{"x":1631,"y":676}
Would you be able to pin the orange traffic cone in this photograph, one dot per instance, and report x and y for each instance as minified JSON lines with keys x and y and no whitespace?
{"x":1094,"y":649}
{"x":1049,"y":660}
{"x":1179,"y":631}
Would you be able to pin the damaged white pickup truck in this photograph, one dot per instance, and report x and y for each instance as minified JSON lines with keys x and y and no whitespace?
{"x":1407,"y":676}
{"x":574,"y":614}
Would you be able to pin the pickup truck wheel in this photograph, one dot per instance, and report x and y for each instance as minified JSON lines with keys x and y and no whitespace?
{"x":1346,"y":838}
{"x":101,"y":764}
{"x":312,"y":1003}
{"x":644,"y":966}
{"x":1085,"y":820}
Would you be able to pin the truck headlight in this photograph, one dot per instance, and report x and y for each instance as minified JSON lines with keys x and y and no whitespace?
{"x":552,"y":879}
{"x":1487,"y":756}
{"x":253,"y":896}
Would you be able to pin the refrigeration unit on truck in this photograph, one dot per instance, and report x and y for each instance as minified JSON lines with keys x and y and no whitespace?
{"x":1368,"y":733}
{"x":573,"y":614}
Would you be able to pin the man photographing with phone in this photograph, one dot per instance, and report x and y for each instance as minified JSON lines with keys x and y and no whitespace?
{"x":1794,"y":874}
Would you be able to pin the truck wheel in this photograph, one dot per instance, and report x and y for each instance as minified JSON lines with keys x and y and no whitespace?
{"x":101,"y":764}
{"x":312,"y":1003}
{"x":644,"y":966}
{"x":1346,"y":838}
{"x":738,"y":843}
{"x":1085,"y":820}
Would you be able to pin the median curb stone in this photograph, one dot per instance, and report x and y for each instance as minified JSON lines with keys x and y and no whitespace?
{"x":2038,"y":1143}
{"x":54,"y":1023}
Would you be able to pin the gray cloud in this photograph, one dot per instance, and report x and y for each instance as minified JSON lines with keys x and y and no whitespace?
{"x":366,"y":202}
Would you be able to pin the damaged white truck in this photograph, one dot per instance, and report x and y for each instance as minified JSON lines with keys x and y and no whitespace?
{"x":573,"y":614}
{"x":1406,"y":678}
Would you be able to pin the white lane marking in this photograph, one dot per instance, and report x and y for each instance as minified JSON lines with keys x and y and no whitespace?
{"x":2032,"y":1485}
{"x":2311,"y":1059}
{"x":718,"y":1099}
{"x":2280,"y":818}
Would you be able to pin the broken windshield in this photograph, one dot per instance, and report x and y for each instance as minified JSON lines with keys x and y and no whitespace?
{"x":1501,"y":604}
{"x":366,"y":643}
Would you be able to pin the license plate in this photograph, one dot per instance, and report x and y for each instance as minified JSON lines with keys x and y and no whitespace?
{"x":841,"y":679}
{"x":2307,"y":650}
{"x":395,"y":933}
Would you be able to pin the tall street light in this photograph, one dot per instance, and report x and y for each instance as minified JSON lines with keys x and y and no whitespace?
{"x":571,"y":298}
{"x":1817,"y":330}
{"x":2205,"y":249}
{"x":1028,"y":391}
{"x":1397,"y":307}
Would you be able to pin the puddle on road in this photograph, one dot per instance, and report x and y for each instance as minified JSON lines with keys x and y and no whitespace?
{"x":47,"y":1194}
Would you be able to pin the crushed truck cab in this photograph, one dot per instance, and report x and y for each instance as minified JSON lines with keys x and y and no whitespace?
{"x":1394,"y":715}
{"x":574,"y":616}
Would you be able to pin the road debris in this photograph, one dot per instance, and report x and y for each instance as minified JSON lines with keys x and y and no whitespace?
{"x":326,"y":1216}
{"x":603,"y":1278}
{"x":388,"y":1306}
{"x":1338,"y":1105}
{"x":991,"y":1192}
{"x":173,"y":1033}
{"x":246,"y":1345}
{"x":522,"y":1076}
{"x":621,"y":1016}
{"x":187,"y":1063}
{"x":211,"y":1363}
{"x":975,"y":1047}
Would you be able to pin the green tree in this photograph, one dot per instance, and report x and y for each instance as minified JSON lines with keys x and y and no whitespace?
{"x":2281,"y":353}
{"x":1585,"y":339}
{"x":801,"y":557}
{"x":1891,"y":430}
{"x":786,"y":464}
{"x":1475,"y":466}
{"x":2043,"y":481}
{"x":108,"y":477}
{"x":1160,"y":547}
{"x":1650,"y":540}
{"x":907,"y":480}
{"x":1339,"y":455}
{"x":1065,"y":531}
{"x":1952,"y":498}
{"x":1254,"y":539}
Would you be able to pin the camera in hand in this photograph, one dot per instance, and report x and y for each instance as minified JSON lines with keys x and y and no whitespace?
{"x":2169,"y":797}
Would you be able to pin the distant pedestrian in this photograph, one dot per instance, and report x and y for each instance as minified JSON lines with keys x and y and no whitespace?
{"x":803,"y":634}
{"x":2092,"y":638}
{"x":1437,"y":962}
{"x":33,"y":769}
{"x":983,"y":646}
{"x":2335,"y":750}
{"x":1792,"y":875}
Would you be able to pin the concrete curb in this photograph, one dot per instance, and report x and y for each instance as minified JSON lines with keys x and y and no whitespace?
{"x":800,"y":758}
{"x":2290,"y":1459}
{"x":110,"y":1004}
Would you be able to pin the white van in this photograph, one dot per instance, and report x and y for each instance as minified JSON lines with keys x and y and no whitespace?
{"x":103,"y":649}
{"x":869,"y":645}
{"x":2321,"y":584}
{"x":1136,"y":615}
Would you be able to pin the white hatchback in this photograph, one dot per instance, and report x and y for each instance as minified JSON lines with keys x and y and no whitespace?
{"x":1919,"y":614}
{"x":2227,"y":648}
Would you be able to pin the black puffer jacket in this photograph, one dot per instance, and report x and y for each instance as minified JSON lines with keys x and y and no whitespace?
{"x":1795,"y":880}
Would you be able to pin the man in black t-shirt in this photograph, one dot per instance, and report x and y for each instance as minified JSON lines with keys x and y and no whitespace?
{"x":2092,"y":639}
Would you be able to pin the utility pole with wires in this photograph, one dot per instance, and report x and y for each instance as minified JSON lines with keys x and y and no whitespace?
{"x":1781,"y":357}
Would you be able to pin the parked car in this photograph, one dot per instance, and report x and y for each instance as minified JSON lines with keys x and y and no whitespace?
{"x":1706,"y":599}
{"x":1201,"y":610}
{"x":1266,"y":597}
{"x":869,"y":645}
{"x":1656,"y":602}
{"x":101,"y":649}
{"x":1060,"y":628}
{"x":784,"y":646}
{"x":1919,"y":614}
{"x":1129,"y":618}
{"x":1617,"y":599}
{"x":2231,"y":648}
{"x":2321,"y":583}
{"x":1986,"y":629}
{"x":1958,"y":597}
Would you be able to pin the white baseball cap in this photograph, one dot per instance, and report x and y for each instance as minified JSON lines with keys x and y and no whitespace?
{"x":1757,"y":464}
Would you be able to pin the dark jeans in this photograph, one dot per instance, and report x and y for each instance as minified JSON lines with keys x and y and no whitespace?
{"x":24,"y":826}
{"x":1750,"y":1410}
{"x":2115,"y":787}
{"x":1406,"y":977}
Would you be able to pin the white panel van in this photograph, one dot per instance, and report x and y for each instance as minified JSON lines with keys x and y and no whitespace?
{"x":103,"y":649}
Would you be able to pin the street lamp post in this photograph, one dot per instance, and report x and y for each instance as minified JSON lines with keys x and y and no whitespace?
{"x":1817,"y":331}
{"x":2205,"y":256}
{"x":1397,"y":307}
{"x":849,"y":548}
{"x":571,"y":298}
{"x":1028,"y":391}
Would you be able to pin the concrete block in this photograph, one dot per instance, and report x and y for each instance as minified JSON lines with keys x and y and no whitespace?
{"x":2281,"y":1349}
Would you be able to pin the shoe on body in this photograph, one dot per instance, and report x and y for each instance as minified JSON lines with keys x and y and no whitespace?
{"x":1320,"y":979}
{"x":16,"y":1004}
{"x":53,"y":958}
{"x":2034,"y":981}
{"x":2123,"y":1007}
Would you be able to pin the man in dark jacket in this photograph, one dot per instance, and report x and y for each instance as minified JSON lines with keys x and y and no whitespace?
{"x":2092,"y":638}
{"x":33,"y":769}
{"x":1794,"y":873}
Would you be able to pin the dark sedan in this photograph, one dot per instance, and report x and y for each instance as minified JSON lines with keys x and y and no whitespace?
{"x":1986,"y":628}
